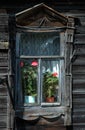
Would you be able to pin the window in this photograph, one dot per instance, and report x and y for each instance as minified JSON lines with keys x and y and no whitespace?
{"x":41,"y":65}
{"x":40,"y":68}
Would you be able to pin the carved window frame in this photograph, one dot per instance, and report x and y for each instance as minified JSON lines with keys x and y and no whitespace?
{"x":62,"y":110}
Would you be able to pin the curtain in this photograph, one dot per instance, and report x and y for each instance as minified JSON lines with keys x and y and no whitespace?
{"x":40,"y":44}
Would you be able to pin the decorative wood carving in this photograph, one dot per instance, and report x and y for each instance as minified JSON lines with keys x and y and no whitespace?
{"x":41,"y":16}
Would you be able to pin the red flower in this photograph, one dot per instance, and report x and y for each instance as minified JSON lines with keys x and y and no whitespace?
{"x":55,"y":74}
{"x":34,"y":63}
{"x":21,"y":63}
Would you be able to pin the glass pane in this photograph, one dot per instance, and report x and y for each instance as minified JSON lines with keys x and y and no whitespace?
{"x":50,"y":81}
{"x":29,"y":80}
{"x":44,"y":44}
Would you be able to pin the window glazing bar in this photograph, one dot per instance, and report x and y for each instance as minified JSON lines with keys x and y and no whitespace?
{"x":26,"y":57}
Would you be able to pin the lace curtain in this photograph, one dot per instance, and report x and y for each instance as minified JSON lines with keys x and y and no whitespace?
{"x":39,"y":44}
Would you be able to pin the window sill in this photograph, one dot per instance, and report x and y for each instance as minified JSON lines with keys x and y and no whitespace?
{"x":50,"y":104}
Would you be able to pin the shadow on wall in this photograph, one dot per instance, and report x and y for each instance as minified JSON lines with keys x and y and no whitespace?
{"x":69,"y":128}
{"x":27,"y":125}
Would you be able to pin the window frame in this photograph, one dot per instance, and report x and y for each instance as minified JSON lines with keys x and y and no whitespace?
{"x":61,"y":57}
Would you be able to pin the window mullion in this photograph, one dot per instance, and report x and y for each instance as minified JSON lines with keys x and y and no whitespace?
{"x":39,"y":79}
{"x":26,"y":57}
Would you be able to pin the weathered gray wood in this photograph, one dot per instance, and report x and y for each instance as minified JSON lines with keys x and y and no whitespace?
{"x":3,"y":25}
{"x":3,"y":128}
{"x":4,"y":45}
{"x":80,"y":29}
{"x":3,"y":111}
{"x":78,"y":70}
{"x":79,"y":61}
{"x":3,"y":100}
{"x":3,"y":62}
{"x":78,"y":81}
{"x":3,"y":69}
{"x":79,"y":39}
{"x":3,"y":90}
{"x":3,"y":121}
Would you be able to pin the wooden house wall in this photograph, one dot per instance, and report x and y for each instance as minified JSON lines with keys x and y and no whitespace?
{"x":4,"y":105}
{"x":78,"y":82}
{"x":78,"y":73}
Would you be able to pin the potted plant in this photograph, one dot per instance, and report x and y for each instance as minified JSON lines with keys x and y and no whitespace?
{"x":29,"y":83}
{"x":50,"y":83}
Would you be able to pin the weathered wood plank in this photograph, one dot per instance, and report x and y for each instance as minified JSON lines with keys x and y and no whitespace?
{"x":80,"y":29}
{"x":3,"y":111}
{"x":79,"y":75}
{"x":4,"y":45}
{"x":3,"y":23}
{"x":3,"y":101}
{"x":79,"y":92}
{"x":79,"y":118}
{"x":80,"y":60}
{"x":80,"y":50}
{"x":82,"y":19}
{"x":4,"y":35}
{"x":79,"y":126}
{"x":3,"y":90}
{"x":78,"y":69}
{"x":3,"y":121}
{"x":78,"y":81}
{"x":3,"y":53}
{"x":3,"y":62}
{"x":79,"y":39}
{"x":43,"y":128}
{"x":4,"y":128}
{"x":3,"y":70}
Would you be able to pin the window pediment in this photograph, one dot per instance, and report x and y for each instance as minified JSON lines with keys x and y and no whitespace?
{"x":41,"y":16}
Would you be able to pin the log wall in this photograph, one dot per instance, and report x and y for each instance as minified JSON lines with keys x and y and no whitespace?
{"x":3,"y":70}
{"x":78,"y":83}
{"x":78,"y":72}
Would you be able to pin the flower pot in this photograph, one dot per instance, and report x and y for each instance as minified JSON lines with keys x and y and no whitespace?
{"x":26,"y":99}
{"x":50,"y":99}
{"x":29,"y":99}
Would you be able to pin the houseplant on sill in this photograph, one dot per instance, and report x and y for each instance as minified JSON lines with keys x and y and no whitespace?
{"x":50,"y":85}
{"x":29,"y":83}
